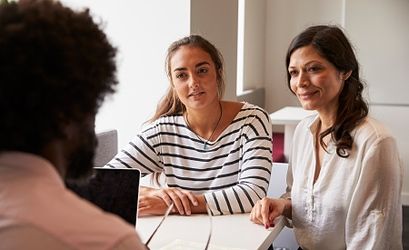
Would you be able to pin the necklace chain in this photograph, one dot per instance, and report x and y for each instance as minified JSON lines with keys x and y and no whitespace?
{"x":210,"y":137}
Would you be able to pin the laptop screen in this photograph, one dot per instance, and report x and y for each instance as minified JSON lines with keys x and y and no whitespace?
{"x":113,"y":190}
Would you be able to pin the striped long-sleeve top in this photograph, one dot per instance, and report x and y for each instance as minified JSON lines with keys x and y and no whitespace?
{"x":232,"y":172}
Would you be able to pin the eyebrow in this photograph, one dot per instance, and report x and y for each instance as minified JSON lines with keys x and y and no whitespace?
{"x":308,"y":63}
{"x":197,"y":65}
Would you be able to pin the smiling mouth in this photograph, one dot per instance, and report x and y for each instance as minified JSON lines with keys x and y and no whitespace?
{"x":307,"y":95}
{"x":196,"y":94}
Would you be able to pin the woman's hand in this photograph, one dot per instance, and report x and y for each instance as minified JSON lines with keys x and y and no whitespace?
{"x":151,"y":205}
{"x":266,"y":210}
{"x":183,"y":200}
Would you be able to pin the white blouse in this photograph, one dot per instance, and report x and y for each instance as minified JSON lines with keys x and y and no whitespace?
{"x":355,"y":202}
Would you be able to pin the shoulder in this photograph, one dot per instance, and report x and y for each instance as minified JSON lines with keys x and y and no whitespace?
{"x":163,"y":123}
{"x":371,"y":130}
{"x":254,"y":118}
{"x":68,"y":218}
{"x":168,"y":120}
{"x":248,"y":109}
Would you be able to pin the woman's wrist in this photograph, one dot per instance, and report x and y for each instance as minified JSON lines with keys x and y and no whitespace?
{"x":146,"y":190}
{"x":201,"y":205}
{"x":287,"y":211}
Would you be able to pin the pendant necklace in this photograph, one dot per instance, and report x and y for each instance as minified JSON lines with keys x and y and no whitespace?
{"x":210,"y":137}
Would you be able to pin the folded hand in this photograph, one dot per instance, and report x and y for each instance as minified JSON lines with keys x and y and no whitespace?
{"x":182,"y":199}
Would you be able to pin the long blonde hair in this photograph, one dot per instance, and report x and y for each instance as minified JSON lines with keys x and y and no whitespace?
{"x":170,"y":103}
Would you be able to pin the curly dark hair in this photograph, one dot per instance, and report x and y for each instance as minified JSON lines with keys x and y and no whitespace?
{"x":332,"y":44}
{"x":56,"y":66}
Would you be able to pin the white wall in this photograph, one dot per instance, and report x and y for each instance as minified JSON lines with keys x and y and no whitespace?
{"x":254,"y":44}
{"x":217,"y":21}
{"x":285,"y":19}
{"x":381,"y":39}
{"x":142,"y":31}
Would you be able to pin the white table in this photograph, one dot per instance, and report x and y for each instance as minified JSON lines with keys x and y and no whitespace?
{"x":289,"y":117}
{"x":229,"y":231}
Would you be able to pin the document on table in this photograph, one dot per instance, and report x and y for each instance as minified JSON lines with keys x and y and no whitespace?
{"x":179,"y":244}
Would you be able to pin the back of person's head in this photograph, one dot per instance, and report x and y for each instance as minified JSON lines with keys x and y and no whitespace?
{"x":170,"y":103}
{"x":56,"y":67}
{"x":332,"y":44}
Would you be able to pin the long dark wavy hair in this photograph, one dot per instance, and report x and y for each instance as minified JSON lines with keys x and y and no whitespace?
{"x":170,"y":103}
{"x":332,"y":44}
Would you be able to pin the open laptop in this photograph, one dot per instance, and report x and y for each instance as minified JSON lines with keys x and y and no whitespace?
{"x":113,"y":190}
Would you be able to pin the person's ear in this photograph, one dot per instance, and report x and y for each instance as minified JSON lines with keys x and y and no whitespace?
{"x":346,"y":75}
{"x":220,"y":75}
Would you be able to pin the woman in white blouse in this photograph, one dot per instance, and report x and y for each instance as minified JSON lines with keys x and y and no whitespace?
{"x":344,"y":178}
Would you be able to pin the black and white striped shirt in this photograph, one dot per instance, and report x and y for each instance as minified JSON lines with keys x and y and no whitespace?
{"x":233,"y":172}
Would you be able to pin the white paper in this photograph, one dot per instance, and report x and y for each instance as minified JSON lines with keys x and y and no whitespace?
{"x":179,"y":244}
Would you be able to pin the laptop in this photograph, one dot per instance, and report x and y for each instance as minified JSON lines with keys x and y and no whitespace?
{"x":113,"y":190}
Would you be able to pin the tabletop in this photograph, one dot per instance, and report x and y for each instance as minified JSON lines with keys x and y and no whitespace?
{"x":228,"y":232}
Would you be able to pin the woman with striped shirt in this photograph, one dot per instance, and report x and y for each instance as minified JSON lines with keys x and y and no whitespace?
{"x":212,"y":152}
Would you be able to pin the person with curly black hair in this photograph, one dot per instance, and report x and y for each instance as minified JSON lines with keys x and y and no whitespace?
{"x":344,"y":178}
{"x":56,"y":67}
